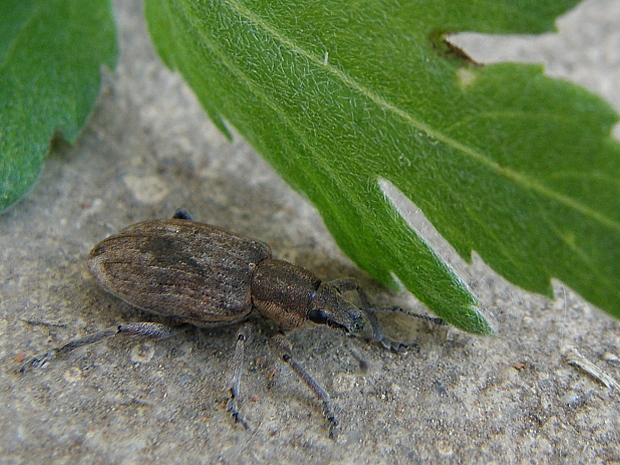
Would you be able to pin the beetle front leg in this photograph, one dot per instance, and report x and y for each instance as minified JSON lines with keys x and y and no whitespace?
{"x":284,"y":350}
{"x":350,"y":284}
{"x":243,"y":337}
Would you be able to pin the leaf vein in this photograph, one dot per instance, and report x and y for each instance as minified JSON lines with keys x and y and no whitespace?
{"x":387,"y":106}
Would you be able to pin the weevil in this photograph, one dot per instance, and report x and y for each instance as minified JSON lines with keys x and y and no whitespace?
{"x":195,"y":273}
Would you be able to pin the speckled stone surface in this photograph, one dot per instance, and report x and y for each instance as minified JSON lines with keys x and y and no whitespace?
{"x":149,"y":149}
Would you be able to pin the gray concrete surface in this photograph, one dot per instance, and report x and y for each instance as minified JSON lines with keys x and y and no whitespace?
{"x":148,"y":149}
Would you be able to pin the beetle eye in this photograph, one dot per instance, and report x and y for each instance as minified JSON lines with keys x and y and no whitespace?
{"x":318,"y":316}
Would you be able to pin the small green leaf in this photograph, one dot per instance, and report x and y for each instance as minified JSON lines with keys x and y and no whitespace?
{"x":340,"y":96}
{"x":51,"y":52}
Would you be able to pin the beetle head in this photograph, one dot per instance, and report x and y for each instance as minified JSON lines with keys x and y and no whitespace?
{"x":328,"y":307}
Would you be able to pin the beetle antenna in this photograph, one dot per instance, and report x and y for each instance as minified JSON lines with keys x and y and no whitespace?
{"x":432,"y":319}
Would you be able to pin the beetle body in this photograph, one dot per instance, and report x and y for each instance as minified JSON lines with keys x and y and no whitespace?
{"x":203,"y":275}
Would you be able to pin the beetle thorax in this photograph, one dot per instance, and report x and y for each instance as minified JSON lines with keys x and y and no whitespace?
{"x":282,"y":292}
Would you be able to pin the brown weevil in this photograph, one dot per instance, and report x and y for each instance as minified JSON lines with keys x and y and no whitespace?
{"x":199,"y":274}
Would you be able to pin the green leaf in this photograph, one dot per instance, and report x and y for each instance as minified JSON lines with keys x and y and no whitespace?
{"x":51,"y":52}
{"x":339,"y":96}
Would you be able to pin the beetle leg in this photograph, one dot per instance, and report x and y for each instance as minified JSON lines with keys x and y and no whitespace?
{"x":350,"y":284}
{"x":284,"y":350}
{"x":243,"y":337}
{"x":141,"y":329}
{"x":392,"y":344}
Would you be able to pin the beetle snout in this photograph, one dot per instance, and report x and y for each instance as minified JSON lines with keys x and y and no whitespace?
{"x":357,"y":325}
{"x":353,"y":323}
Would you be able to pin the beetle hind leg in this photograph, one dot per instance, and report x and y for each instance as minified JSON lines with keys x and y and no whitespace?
{"x":140,"y":329}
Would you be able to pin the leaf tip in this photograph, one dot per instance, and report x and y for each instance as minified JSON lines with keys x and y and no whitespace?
{"x":473,"y":321}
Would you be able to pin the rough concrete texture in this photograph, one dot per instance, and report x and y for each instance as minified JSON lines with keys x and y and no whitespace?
{"x":148,"y":149}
